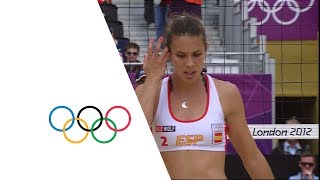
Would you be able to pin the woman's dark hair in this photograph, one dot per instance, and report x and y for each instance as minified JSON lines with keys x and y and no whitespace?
{"x":184,"y":24}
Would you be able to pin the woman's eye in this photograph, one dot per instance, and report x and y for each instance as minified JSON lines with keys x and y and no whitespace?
{"x":197,"y":55}
{"x":180,"y":56}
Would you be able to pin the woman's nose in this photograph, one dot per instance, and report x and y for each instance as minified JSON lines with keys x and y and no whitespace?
{"x":190,"y":62}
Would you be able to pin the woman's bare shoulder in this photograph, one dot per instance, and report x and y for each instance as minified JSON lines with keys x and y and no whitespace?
{"x":142,"y":88}
{"x":229,"y":95}
{"x":139,"y":88}
{"x":225,"y":88}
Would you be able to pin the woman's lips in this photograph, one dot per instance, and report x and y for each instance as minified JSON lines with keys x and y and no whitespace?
{"x":189,"y":74}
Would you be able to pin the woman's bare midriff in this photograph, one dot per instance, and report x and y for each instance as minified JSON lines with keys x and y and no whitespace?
{"x":195,"y":164}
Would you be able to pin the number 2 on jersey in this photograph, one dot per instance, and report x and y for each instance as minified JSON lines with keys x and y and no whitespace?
{"x":164,"y":142}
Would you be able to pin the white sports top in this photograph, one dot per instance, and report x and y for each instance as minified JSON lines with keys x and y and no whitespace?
{"x":206,"y":133}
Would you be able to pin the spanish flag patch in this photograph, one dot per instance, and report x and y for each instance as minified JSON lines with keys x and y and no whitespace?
{"x":217,"y":133}
{"x":217,"y":137}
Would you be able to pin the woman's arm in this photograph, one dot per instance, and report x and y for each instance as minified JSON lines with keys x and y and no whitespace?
{"x":148,"y":95}
{"x":154,"y":68}
{"x":239,"y":134}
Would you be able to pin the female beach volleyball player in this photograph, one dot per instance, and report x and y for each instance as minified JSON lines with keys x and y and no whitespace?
{"x":190,"y":113}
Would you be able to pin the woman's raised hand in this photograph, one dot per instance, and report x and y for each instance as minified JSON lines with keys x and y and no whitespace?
{"x":155,"y":62}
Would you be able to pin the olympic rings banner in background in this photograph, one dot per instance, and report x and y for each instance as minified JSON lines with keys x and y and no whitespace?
{"x":92,"y":128}
{"x":298,"y":19}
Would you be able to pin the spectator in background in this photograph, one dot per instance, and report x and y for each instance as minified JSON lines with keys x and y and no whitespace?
{"x":290,"y":146}
{"x":132,"y":53}
{"x":140,"y":78}
{"x":307,"y":164}
{"x":160,"y":16}
{"x":187,"y":6}
{"x":148,"y":12}
{"x":119,"y":45}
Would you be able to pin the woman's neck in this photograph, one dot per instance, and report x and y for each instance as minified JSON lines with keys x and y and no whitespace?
{"x":186,"y":88}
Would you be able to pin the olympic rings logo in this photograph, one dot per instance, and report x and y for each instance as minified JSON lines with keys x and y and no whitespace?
{"x":86,"y":128}
{"x":278,"y":5}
